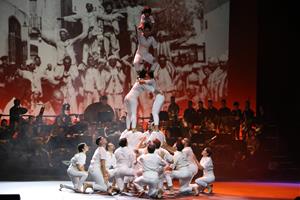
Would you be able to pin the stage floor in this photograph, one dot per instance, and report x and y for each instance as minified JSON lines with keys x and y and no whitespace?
{"x":48,"y":190}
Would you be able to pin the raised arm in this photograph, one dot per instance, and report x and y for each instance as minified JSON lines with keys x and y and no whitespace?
{"x":71,"y":18}
{"x":49,"y":39}
{"x":109,"y":17}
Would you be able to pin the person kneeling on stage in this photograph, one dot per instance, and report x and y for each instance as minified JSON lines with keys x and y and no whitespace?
{"x":207,"y":166}
{"x":181,"y":171}
{"x":151,"y":164}
{"x":97,"y":169}
{"x":76,"y":170}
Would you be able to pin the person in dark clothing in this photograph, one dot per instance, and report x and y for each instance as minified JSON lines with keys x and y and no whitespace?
{"x":236,"y":114}
{"x":248,"y":117}
{"x":223,"y":116}
{"x":201,"y":113}
{"x":173,"y":109}
{"x":190,"y":114}
{"x":15,"y":113}
{"x":212,"y":112}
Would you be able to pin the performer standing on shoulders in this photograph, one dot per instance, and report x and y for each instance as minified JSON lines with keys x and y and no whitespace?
{"x":145,"y":41}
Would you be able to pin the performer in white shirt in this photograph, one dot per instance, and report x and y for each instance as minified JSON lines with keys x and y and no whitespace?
{"x":133,"y":138}
{"x":125,"y":161}
{"x":157,"y":134}
{"x":166,"y":156}
{"x":111,"y":161}
{"x":182,"y":172}
{"x":76,"y":169}
{"x":206,"y":164}
{"x":151,"y":164}
{"x":131,"y":101}
{"x":145,"y":41}
{"x":97,"y":169}
{"x":190,"y":156}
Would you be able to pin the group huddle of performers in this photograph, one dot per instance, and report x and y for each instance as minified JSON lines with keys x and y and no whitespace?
{"x":143,"y":162}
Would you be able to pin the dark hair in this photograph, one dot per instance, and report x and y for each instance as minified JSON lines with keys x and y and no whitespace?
{"x":208,"y":150}
{"x":98,"y":140}
{"x":151,"y":148}
{"x":146,"y":9}
{"x":17,"y":102}
{"x":2,"y":58}
{"x":146,"y":25}
{"x":179,"y":145}
{"x":80,"y":147}
{"x":236,"y":103}
{"x":66,"y":106}
{"x":67,"y":58}
{"x":35,"y":57}
{"x":157,"y":143}
{"x":123,"y":142}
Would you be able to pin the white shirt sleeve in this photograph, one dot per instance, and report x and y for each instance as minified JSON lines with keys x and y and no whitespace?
{"x":102,"y":154}
{"x":81,"y":159}
{"x":206,"y":163}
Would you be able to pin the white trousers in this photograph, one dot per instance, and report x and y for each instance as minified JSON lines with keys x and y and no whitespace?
{"x":120,"y":174}
{"x":77,"y":177}
{"x":149,"y":179}
{"x":98,"y":181}
{"x":184,"y":175}
{"x":157,"y":104}
{"x":131,"y":104}
{"x":205,"y":180}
